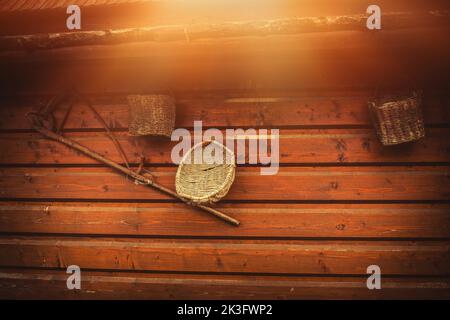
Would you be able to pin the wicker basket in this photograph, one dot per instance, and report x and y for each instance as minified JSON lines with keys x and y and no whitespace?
{"x":398,"y":121}
{"x":152,"y":115}
{"x":205,"y":183}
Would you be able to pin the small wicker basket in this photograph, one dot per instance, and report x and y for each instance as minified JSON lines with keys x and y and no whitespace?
{"x":398,"y":121}
{"x":206,"y":182}
{"x":152,"y":115}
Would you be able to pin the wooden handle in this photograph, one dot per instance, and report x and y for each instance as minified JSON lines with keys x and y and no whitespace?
{"x":220,"y":215}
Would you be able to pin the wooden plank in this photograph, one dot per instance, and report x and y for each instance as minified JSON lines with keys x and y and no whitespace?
{"x":295,"y":147}
{"x":291,"y":109}
{"x":42,"y":284}
{"x":258,"y":220}
{"x":231,"y":256}
{"x":317,"y":60}
{"x":291,"y":184}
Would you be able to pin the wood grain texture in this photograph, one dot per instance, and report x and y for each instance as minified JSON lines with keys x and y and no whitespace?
{"x":296,"y":147}
{"x":340,"y":203}
{"x":292,"y":184}
{"x":258,"y":220}
{"x":264,"y":110}
{"x":24,"y":284}
{"x":235,"y":256}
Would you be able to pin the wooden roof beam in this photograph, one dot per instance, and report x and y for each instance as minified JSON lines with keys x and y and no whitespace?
{"x":219,"y":30}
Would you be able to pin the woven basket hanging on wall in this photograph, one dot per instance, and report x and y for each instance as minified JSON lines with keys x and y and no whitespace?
{"x":152,"y":115}
{"x":398,"y":121}
{"x":205,"y":182}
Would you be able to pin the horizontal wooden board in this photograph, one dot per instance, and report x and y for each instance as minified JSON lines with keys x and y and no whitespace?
{"x":230,"y":256}
{"x":42,"y":284}
{"x":295,"y":147}
{"x":259,"y":220}
{"x":292,"y":184}
{"x":288,"y":109}
{"x":318,"y":60}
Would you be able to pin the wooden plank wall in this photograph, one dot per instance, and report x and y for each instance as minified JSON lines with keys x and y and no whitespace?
{"x":340,"y":202}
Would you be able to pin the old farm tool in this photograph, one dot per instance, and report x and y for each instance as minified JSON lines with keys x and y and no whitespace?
{"x":44,"y":123}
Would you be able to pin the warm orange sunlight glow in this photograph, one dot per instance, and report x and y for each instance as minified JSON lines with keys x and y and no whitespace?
{"x":232,"y":152}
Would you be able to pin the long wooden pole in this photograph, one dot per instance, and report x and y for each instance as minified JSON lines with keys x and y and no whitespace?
{"x":200,"y":31}
{"x":74,"y":145}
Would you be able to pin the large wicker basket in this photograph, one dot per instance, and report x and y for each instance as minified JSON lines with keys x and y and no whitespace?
{"x":152,"y":115}
{"x":205,"y":182}
{"x":398,"y":121}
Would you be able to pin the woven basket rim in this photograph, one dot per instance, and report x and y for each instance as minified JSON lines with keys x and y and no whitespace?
{"x":387,"y":102}
{"x":397,"y":103}
{"x":229,"y":177}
